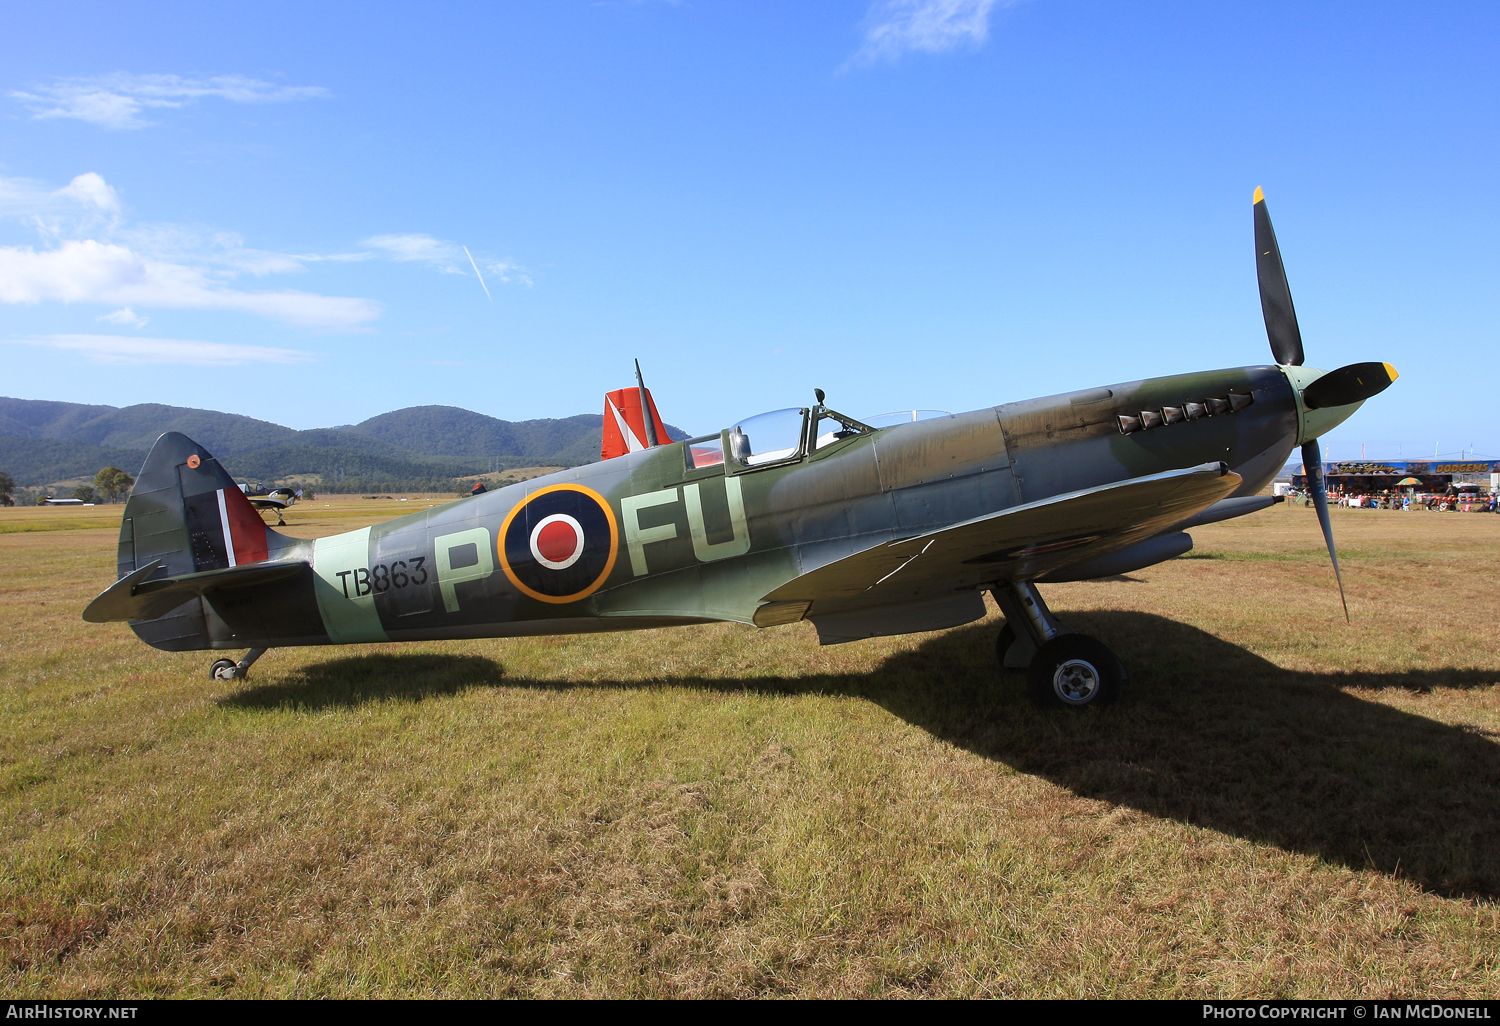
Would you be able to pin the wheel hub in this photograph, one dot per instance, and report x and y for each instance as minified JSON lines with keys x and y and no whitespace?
{"x":1076,"y":681}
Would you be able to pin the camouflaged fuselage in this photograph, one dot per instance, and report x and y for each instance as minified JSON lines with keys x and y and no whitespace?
{"x":662,"y":543}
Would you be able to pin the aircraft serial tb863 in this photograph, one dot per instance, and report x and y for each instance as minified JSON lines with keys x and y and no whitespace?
{"x":801,"y":514}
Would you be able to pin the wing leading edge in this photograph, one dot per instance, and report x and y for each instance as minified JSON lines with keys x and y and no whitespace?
{"x":1021,"y":543}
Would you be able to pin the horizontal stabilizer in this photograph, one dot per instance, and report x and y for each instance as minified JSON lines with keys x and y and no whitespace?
{"x":136,"y":597}
{"x":1018,"y":544}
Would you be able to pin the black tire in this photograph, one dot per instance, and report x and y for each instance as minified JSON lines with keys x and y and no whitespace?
{"x":1073,"y":672}
{"x":1006,"y":639}
{"x":222,"y":669}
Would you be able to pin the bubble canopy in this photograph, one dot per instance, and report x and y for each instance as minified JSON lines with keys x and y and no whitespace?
{"x":783,"y":435}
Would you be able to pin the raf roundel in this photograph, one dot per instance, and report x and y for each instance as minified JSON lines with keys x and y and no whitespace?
{"x":560,"y":544}
{"x":557,"y":541}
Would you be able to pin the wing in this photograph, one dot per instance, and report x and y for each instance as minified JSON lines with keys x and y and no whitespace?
{"x":1021,"y":543}
{"x":267,"y":502}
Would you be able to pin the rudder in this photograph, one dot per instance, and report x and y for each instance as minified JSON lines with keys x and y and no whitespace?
{"x":186,"y":511}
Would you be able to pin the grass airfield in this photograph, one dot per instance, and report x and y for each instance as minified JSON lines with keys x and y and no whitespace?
{"x":1280,"y":805}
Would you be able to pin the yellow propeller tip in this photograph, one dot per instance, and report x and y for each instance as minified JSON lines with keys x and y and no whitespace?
{"x":1391,"y":371}
{"x":1260,"y":197}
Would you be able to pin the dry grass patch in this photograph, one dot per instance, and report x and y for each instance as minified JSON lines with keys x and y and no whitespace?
{"x":1280,"y":805}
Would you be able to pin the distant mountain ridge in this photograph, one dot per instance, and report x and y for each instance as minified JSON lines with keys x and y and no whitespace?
{"x":136,"y":427}
{"x":41,"y":461}
{"x":43,"y":441}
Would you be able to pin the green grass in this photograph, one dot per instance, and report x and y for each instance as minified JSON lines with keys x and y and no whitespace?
{"x":1281,"y":805}
{"x":21,"y":527}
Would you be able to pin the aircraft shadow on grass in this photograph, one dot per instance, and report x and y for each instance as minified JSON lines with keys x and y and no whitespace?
{"x":1207,"y":733}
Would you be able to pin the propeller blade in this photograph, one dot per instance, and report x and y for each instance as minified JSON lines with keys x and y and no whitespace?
{"x":1352,"y":384}
{"x":1275,"y":293}
{"x":1312,"y":465}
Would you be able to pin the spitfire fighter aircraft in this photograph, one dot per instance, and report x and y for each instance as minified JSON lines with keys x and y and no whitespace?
{"x":800,"y":514}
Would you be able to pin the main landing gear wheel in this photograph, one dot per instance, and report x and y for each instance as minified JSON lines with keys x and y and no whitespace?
{"x":1074,"y":671}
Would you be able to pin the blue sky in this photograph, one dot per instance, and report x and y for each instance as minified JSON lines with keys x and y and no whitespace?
{"x":279,"y":209}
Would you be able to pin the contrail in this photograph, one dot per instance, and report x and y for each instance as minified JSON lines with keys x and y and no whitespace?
{"x":477,"y":274}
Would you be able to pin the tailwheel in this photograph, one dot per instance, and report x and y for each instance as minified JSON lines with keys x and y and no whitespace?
{"x":228,"y":669}
{"x":1074,"y":671}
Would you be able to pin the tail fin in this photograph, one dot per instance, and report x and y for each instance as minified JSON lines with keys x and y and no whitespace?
{"x":625,"y":424}
{"x":187,"y":514}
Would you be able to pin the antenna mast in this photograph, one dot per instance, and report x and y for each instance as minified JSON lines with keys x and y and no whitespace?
{"x":646,"y":408}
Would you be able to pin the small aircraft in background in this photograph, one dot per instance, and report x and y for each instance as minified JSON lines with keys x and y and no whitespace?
{"x":276,"y":499}
{"x":805,"y":513}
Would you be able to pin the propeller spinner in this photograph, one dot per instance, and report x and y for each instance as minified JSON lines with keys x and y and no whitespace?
{"x":1347,"y":386}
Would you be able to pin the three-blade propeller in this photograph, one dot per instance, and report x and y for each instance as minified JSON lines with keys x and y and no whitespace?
{"x":1345,"y":386}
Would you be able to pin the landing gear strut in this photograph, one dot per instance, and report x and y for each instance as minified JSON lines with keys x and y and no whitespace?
{"x":228,"y":669}
{"x":1064,"y":669}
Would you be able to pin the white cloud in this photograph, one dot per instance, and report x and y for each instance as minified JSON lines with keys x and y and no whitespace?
{"x":91,"y":190}
{"x":124,"y":315}
{"x":893,"y":27}
{"x":123,"y":349}
{"x":414,"y":247}
{"x":93,"y":258}
{"x":91,"y":255}
{"x":116,"y":101}
{"x":448,"y":257}
{"x":508,"y":272}
{"x":85,"y":194}
{"x":89,"y":271}
{"x":225,"y":251}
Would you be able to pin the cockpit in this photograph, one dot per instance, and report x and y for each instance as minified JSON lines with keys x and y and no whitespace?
{"x":782,"y":436}
{"x":767,"y":437}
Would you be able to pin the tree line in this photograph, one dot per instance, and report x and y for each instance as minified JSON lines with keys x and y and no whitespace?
{"x":111,"y":484}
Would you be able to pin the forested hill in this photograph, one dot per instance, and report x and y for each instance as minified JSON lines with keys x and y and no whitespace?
{"x":136,"y":427}
{"x":450,"y":431}
{"x":42,"y":441}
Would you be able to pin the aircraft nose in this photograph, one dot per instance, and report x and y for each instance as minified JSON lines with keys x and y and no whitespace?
{"x":1325,"y":399}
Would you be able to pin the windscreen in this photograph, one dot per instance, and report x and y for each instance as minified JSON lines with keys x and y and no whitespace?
{"x":767,"y":438}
